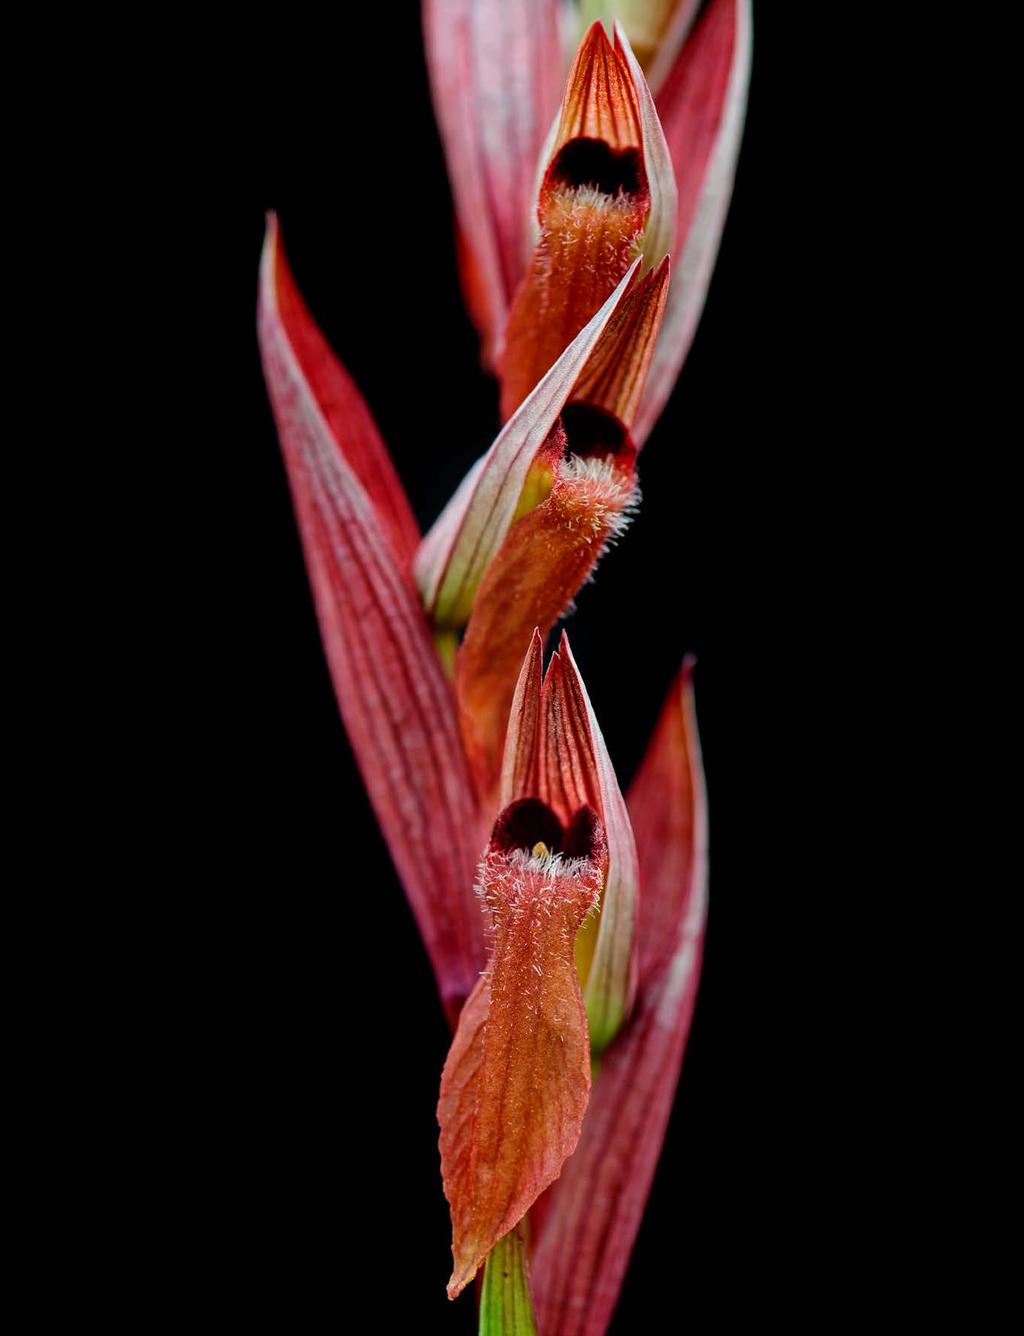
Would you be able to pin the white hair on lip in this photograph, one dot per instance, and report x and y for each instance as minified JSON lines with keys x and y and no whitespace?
{"x":548,"y":864}
{"x":612,"y":500}
{"x":589,"y":196}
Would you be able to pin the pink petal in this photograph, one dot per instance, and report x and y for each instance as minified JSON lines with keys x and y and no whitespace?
{"x":702,"y":107}
{"x":496,"y":69}
{"x":675,"y":34}
{"x":589,"y":1220}
{"x":397,"y":706}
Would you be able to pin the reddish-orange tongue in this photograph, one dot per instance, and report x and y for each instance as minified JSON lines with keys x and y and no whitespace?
{"x":517,"y":1079}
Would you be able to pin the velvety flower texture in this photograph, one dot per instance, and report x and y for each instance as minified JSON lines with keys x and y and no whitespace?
{"x":564,"y":921}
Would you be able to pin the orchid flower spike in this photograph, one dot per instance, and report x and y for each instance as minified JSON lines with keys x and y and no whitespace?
{"x":567,"y":955}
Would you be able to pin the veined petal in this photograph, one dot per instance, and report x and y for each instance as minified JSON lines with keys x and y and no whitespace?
{"x":668,"y":807}
{"x":702,"y":107}
{"x":600,"y":100}
{"x":569,"y":773}
{"x":521,"y":769}
{"x":496,"y":74}
{"x":673,"y":35}
{"x":591,"y":1216}
{"x":515,"y":1085}
{"x":606,"y":947}
{"x":544,"y":560}
{"x":397,"y":706}
{"x":453,"y":558}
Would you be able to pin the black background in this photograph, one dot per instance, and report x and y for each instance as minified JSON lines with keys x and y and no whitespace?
{"x":306,"y":1120}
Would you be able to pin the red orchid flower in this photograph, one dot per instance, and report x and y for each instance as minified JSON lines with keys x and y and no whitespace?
{"x":564,"y":923}
{"x":496,"y":69}
{"x":515,"y":1087}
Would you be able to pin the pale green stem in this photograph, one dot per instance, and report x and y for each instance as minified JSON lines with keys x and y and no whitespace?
{"x":506,"y":1308}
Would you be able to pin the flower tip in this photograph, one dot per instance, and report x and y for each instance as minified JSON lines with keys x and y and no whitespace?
{"x":271,"y":259}
{"x":596,"y":35}
{"x":272,"y":235}
{"x":461,"y":1277}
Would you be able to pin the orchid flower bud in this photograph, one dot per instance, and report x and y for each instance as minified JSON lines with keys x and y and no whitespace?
{"x":607,"y":195}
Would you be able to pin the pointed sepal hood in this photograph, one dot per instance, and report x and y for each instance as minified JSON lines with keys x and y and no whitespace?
{"x":606,"y":194}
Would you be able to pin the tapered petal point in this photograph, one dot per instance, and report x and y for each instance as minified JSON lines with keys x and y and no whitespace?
{"x":347,"y":417}
{"x":397,"y":706}
{"x":520,"y":764}
{"x":600,"y":100}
